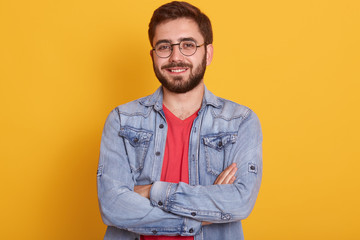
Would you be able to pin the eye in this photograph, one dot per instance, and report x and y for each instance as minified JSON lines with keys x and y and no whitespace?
{"x":163,"y":47}
{"x":188,"y":45}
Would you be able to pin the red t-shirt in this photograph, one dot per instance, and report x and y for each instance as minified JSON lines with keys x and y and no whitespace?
{"x":175,"y":166}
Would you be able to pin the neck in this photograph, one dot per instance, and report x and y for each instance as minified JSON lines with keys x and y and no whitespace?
{"x":183,"y":105}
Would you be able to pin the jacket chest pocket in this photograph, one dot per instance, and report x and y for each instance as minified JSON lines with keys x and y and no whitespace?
{"x":137,"y":143}
{"x":216,"y":147}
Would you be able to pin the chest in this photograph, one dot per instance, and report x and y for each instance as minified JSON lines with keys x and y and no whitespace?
{"x":210,"y":145}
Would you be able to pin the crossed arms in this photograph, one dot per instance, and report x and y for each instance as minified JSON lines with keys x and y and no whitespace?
{"x":169,"y":208}
{"x":226,"y":177}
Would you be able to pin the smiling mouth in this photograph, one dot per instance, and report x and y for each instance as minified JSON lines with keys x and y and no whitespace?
{"x":176,"y":70}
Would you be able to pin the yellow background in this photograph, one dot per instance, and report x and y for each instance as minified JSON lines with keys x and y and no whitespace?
{"x":64,"y":65}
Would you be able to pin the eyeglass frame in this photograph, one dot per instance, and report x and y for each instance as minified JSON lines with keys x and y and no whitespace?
{"x":178,"y":44}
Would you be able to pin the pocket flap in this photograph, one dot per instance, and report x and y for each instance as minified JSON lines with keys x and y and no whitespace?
{"x":219,"y":141}
{"x":136,"y":137}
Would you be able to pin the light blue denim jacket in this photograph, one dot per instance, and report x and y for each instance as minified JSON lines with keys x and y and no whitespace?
{"x":131,"y":153}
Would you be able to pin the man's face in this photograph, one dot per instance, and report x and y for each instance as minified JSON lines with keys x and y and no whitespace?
{"x":179,"y":73}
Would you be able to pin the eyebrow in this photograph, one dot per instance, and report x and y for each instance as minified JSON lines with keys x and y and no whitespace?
{"x":162,"y":41}
{"x":187,"y":39}
{"x":179,"y":40}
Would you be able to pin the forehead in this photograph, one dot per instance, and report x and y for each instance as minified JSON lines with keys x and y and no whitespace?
{"x":174,"y":30}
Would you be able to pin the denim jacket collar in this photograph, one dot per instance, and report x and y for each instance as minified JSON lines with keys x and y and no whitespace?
{"x":156,"y":99}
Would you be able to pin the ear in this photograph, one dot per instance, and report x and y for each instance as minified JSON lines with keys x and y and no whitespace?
{"x":209,"y":54}
{"x":152,"y":56}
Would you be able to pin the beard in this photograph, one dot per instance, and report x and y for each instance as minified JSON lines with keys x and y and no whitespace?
{"x":178,"y":84}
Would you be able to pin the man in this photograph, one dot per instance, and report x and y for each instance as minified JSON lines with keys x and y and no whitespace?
{"x":180,"y":163}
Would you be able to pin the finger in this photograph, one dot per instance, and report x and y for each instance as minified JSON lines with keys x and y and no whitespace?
{"x":232,"y":180}
{"x":225,"y":173}
{"x":229,"y":172}
{"x":221,"y":176}
{"x":220,"y":179}
{"x":229,"y":176}
{"x":217,"y":179}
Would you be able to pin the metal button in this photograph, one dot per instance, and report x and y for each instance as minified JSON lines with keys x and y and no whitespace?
{"x":161,"y":126}
{"x":154,"y":231}
{"x":252,"y":167}
{"x":220,"y":144}
{"x":193,"y":214}
{"x":191,"y":230}
{"x":136,"y":140}
{"x":157,"y":153}
{"x":160,"y":203}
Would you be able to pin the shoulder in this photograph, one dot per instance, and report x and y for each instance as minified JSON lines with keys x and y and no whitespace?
{"x":140,"y":107}
{"x":229,"y":110}
{"x":133,"y":108}
{"x":245,"y":118}
{"x":226,"y":109}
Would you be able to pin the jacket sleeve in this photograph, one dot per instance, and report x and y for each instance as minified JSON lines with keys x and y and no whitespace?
{"x":220,"y":203}
{"x":120,"y":206}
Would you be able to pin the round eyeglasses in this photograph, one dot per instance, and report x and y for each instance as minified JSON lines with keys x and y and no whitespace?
{"x":186,"y":47}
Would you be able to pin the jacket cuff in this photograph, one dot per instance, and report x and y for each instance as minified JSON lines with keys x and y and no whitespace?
{"x":160,"y":194}
{"x":191,"y":227}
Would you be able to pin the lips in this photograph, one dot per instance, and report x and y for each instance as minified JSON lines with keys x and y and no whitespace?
{"x":176,"y":70}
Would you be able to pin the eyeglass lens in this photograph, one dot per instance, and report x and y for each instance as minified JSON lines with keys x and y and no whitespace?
{"x":164,"y":49}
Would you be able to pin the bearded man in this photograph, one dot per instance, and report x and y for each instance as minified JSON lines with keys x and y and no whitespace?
{"x":180,"y":164}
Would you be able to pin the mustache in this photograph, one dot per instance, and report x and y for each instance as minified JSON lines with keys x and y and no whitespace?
{"x":172,"y":65}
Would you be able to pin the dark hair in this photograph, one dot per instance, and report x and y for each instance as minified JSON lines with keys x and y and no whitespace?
{"x":175,"y":10}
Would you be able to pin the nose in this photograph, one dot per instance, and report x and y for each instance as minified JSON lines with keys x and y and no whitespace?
{"x":176,"y":55}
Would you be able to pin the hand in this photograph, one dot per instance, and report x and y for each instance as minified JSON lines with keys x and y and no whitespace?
{"x":227,"y":176}
{"x":143,"y":190}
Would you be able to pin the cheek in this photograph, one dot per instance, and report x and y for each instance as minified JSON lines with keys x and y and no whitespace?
{"x":198,"y":63}
{"x":158,"y":63}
